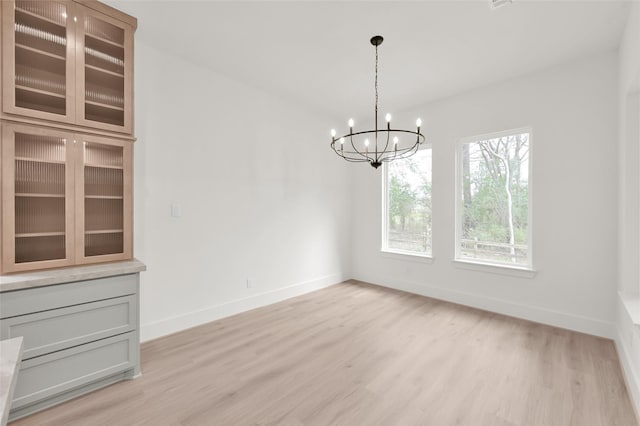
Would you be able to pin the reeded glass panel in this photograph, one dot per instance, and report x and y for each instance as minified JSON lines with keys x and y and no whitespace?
{"x":100,"y":244}
{"x":40,"y":49}
{"x":103,"y":202}
{"x":39,"y":197}
{"x":40,"y":248}
{"x":103,"y":214}
{"x":101,"y":182}
{"x":104,"y":72}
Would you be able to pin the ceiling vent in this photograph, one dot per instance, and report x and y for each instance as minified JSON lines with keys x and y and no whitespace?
{"x":494,"y":4}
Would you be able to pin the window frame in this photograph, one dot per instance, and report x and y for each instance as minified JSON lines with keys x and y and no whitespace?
{"x":488,"y":264}
{"x":384,"y":244}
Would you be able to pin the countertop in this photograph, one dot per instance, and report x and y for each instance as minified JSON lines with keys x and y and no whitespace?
{"x":10,"y":357}
{"x":33,"y":279}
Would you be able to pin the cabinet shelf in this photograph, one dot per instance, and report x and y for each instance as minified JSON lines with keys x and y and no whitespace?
{"x":104,"y":231}
{"x":29,"y":99}
{"x":39,"y":234}
{"x":104,"y":197}
{"x":40,"y":34}
{"x":29,"y":77}
{"x":27,"y":194}
{"x":104,"y":40}
{"x":113,"y":60}
{"x":40,"y":52}
{"x":23,"y":11}
{"x":39,"y":160}
{"x":102,"y":166}
{"x":40,"y":92}
{"x":102,"y":70}
{"x":103,"y":105}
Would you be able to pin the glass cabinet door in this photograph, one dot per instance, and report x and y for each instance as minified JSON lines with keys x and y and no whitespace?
{"x":38,"y":203}
{"x":104,"y":52}
{"x":38,"y":52}
{"x":103,"y":200}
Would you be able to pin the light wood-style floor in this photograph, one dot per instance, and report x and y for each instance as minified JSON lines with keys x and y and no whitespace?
{"x":357,"y":354}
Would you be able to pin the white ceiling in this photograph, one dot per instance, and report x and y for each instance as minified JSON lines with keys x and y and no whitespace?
{"x":317,"y":53}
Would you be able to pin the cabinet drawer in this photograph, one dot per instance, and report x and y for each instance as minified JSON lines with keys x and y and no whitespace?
{"x":27,"y":301}
{"x":57,"y":329}
{"x":52,"y":374}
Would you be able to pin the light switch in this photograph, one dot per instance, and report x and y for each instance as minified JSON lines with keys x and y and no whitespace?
{"x":176,"y":210}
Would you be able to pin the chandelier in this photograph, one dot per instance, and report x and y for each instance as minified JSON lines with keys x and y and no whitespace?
{"x":377,"y":146}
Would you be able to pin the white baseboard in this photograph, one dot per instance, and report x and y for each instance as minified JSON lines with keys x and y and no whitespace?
{"x":181,"y":322}
{"x":532,"y":313}
{"x":627,"y":337}
{"x":630,"y":375}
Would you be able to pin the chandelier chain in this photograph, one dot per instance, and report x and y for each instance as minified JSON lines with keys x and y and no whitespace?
{"x":376,"y":86}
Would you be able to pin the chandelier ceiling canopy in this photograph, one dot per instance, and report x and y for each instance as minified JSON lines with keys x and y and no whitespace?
{"x":378,"y":145}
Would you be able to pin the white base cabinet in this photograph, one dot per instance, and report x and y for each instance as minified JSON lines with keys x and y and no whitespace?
{"x":78,"y":336}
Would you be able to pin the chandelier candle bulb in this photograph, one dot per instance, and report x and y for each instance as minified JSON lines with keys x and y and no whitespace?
{"x":418,"y":123}
{"x":381,"y":152}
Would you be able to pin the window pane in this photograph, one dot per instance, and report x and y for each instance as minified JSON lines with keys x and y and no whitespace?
{"x":495,"y":200}
{"x":408,"y":226}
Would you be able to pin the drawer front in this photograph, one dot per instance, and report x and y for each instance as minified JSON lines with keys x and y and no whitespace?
{"x":49,"y":375}
{"x":27,"y":301}
{"x":57,"y":329}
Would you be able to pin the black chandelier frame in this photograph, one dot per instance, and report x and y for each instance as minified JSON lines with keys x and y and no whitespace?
{"x":378,"y":154}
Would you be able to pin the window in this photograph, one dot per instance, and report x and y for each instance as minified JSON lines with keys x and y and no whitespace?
{"x":407,"y":205}
{"x":494,"y":206}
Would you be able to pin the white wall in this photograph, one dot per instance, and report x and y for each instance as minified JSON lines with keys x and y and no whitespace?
{"x":573,"y":112}
{"x":262,"y":196}
{"x":627,"y":333}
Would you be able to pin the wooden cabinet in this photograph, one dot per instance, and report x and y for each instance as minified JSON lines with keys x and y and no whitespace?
{"x":67,"y":134}
{"x":68,"y":62}
{"x":66,"y":198}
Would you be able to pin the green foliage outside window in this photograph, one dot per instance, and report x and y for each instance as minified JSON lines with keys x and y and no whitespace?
{"x":409,"y":203}
{"x":495,"y":199}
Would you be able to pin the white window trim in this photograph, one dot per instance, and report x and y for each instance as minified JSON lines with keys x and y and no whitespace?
{"x":495,"y":268}
{"x":407,"y":256}
{"x":486,"y":265}
{"x":384,"y":248}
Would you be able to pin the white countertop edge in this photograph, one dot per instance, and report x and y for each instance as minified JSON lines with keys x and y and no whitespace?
{"x":10,"y":358}
{"x":24,"y":280}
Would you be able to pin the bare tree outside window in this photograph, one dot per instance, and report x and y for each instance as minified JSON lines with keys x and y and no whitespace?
{"x":408,"y":203}
{"x":494,"y":196}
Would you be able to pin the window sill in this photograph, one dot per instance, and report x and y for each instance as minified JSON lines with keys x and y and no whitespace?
{"x":632,"y":304}
{"x":407,"y":256}
{"x":492,"y":268}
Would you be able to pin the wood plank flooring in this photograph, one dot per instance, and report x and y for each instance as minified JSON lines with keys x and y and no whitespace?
{"x":357,"y":354}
